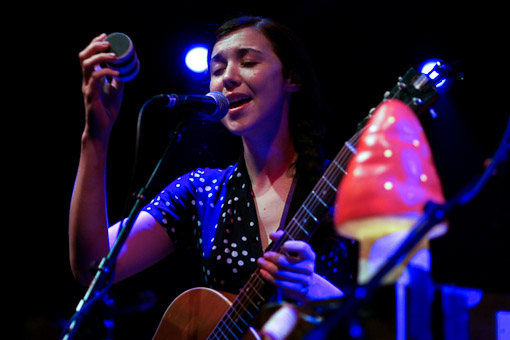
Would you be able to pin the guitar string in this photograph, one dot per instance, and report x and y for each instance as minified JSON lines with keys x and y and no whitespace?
{"x":342,"y":158}
{"x":232,"y":321}
{"x":245,"y":301}
{"x":227,"y":320}
{"x":315,"y":200}
{"x":314,"y":197}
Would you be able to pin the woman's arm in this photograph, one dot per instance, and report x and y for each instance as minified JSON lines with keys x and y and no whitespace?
{"x":88,"y":221}
{"x":89,"y":236}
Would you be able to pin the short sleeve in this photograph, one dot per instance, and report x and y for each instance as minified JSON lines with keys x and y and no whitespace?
{"x":172,"y":208}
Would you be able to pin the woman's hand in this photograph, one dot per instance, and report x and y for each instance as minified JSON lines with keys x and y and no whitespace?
{"x":102,"y":98}
{"x":292,"y":270}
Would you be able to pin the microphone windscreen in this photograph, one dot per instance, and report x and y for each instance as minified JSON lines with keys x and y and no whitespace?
{"x":222,"y":106}
{"x":127,"y":62}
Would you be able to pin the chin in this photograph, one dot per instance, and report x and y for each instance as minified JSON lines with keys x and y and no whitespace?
{"x":234,"y":127}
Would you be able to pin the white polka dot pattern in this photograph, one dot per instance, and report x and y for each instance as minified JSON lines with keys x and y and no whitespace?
{"x":213,"y":211}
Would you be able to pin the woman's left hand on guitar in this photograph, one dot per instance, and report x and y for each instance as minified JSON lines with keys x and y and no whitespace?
{"x":292,"y":270}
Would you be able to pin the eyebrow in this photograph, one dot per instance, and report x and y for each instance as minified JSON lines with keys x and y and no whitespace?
{"x":240,"y":53}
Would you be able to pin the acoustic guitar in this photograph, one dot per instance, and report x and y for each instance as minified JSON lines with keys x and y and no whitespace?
{"x":203,"y":313}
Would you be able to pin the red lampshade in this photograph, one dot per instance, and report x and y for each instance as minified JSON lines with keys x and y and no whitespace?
{"x":389,"y":180}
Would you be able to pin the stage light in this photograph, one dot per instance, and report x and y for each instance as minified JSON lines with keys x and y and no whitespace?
{"x":428,"y":66}
{"x":196,"y":59}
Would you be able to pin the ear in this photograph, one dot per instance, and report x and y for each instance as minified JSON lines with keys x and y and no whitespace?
{"x":292,"y":85}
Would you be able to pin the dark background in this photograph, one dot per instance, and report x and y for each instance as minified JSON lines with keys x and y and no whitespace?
{"x":359,"y":49}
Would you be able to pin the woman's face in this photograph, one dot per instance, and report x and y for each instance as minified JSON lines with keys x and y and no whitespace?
{"x":246,"y":70}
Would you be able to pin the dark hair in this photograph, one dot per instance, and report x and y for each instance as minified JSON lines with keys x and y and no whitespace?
{"x":304,"y":114}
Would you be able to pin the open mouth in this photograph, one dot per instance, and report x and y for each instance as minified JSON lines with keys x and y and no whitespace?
{"x":238,"y":101}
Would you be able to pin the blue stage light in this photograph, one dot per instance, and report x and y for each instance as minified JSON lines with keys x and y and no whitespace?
{"x":196,"y":59}
{"x":428,"y":66}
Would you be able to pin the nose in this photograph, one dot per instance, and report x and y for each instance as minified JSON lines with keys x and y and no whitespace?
{"x":231,"y":77}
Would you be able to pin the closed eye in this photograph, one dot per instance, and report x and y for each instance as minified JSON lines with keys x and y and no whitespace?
{"x":217,"y":71}
{"x":249,"y":63}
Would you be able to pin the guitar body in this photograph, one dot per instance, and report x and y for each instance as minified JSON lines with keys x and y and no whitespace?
{"x":194,"y":314}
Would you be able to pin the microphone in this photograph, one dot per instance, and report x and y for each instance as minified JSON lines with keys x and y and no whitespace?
{"x":127,"y":62}
{"x":214,"y":105}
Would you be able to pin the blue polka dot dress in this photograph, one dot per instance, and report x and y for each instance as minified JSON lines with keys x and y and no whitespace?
{"x":213,"y":211}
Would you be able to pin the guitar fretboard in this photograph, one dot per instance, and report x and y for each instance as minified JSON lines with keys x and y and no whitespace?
{"x":257,"y":292}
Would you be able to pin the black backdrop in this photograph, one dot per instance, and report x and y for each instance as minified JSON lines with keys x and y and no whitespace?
{"x":359,"y":49}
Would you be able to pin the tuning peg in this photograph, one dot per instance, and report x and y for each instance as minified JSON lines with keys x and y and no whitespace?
{"x":402,"y":85}
{"x":417,"y":101}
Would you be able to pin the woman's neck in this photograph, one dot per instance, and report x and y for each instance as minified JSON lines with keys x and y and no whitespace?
{"x":267,"y":162}
{"x":268,"y":166}
{"x":269,"y":152}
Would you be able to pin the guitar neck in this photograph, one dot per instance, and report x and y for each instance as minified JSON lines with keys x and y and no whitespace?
{"x":257,"y":292}
{"x":320,"y":200}
{"x":236,"y":322}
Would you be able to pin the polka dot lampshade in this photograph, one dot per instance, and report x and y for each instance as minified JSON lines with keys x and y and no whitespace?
{"x":389,"y":180}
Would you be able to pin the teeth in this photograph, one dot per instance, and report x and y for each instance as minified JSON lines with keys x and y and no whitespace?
{"x":237,"y":100}
{"x":238,"y":103}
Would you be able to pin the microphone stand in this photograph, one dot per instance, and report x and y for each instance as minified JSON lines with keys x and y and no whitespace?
{"x":98,"y":288}
{"x":338,"y":324}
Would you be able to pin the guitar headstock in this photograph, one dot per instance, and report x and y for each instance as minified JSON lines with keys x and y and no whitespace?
{"x":417,"y":90}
